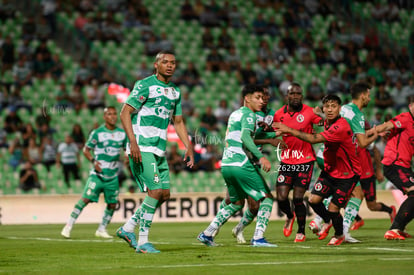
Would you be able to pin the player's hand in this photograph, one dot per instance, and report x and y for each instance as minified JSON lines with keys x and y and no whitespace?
{"x":380,"y":176}
{"x":265,"y":126}
{"x":280,"y":128}
{"x":189,"y":154}
{"x":135,"y":152}
{"x":278,"y":143}
{"x":97,"y":166}
{"x":265,"y":163}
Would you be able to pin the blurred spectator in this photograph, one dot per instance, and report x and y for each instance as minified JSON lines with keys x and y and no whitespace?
{"x":165,"y":44}
{"x":357,"y":36}
{"x":208,"y":122}
{"x":26,"y":49}
{"x":110,"y":29}
{"x":68,"y":158}
{"x":78,"y":136}
{"x":209,"y":16}
{"x":16,"y":100}
{"x":83,"y":74}
{"x":273,"y":29}
{"x":284,"y":85}
{"x":29,"y":28}
{"x":152,"y":46}
{"x":278,"y":74}
{"x":303,"y":19}
{"x":290,"y":19}
{"x":321,"y":54}
{"x":131,"y":19}
{"x":199,"y":7}
{"x":33,"y":152}
{"x":336,"y":55}
{"x":335,"y":84}
{"x":28,"y":178}
{"x":16,"y":153}
{"x":264,"y":53}
{"x":236,"y":18}
{"x":48,"y":152}
{"x":393,"y":12}
{"x":12,"y":121}
{"x":383,"y":99}
{"x":187,"y":11}
{"x":22,"y":74}
{"x":376,"y":73}
{"x":408,"y":90}
{"x":371,"y":41}
{"x":43,"y":30}
{"x":222,"y":112}
{"x":80,"y":23}
{"x":62,"y":97}
{"x":7,"y":54}
{"x":232,"y":60}
{"x":45,"y":130}
{"x":7,"y":10}
{"x":49,"y":8}
{"x":214,"y":61}
{"x":175,"y":160}
{"x":95,"y":95}
{"x":290,"y":42}
{"x":143,"y":71}
{"x":187,"y":105}
{"x":225,"y":41}
{"x":43,"y":117}
{"x":280,"y":52}
{"x":77,"y":98}
{"x":208,"y":159}
{"x":28,"y":132}
{"x":3,"y":139}
{"x":259,"y":25}
{"x":191,"y":76}
{"x":246,"y":73}
{"x":377,"y":119}
{"x":4,"y":98}
{"x":351,"y":71}
{"x":392,"y":73}
{"x":314,"y":91}
{"x":378,"y":11}
{"x":56,"y":69}
{"x":41,"y":66}
{"x":398,"y":96}
{"x":263,"y":72}
{"x":207,"y":39}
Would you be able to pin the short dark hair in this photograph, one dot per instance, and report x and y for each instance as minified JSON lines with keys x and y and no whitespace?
{"x":159,"y":54}
{"x":331,"y":97}
{"x":293,"y":84}
{"x":359,"y":88}
{"x":109,"y":107}
{"x":252,"y":88}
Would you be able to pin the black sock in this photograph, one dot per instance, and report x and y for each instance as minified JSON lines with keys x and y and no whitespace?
{"x":405,"y":213}
{"x":358,"y":218}
{"x":300,"y":211}
{"x":337,"y":222}
{"x":284,"y":206}
{"x":385,"y":208}
{"x":320,"y":209}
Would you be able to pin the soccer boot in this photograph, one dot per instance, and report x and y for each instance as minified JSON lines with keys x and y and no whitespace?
{"x":404,"y":234}
{"x":393,"y":213}
{"x":315,"y":227}
{"x":350,"y":239}
{"x":335,"y":240}
{"x":393,"y":235}
{"x":238,"y":234}
{"x":324,"y":231}
{"x":102,"y":234}
{"x":129,"y":237}
{"x":207,"y":240}
{"x":66,"y":231}
{"x":357,"y":224}
{"x":287,"y":228}
{"x":147,"y":248}
{"x":261,"y":243}
{"x":300,"y":238}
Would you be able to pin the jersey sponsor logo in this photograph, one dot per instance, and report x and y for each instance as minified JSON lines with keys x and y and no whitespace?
{"x":398,"y":124}
{"x":250,"y":120}
{"x":318,"y":186}
{"x":412,"y":179}
{"x":281,"y":178}
{"x":268,"y":119}
{"x":94,"y":141}
{"x":166,"y":91}
{"x":300,"y":118}
{"x":156,"y":178}
{"x":158,"y":100}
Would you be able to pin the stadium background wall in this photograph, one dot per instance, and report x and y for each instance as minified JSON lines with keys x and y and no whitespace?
{"x":185,"y":207}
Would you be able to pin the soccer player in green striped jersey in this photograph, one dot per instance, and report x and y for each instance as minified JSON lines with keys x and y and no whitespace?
{"x":146,"y":114}
{"x":106,"y":142}
{"x":242,"y":177}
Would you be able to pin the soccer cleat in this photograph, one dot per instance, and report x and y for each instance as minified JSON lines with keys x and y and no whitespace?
{"x":350,"y":239}
{"x":215,"y":233}
{"x":102,"y":234}
{"x":287,"y":228}
{"x":207,"y":240}
{"x":261,"y":243}
{"x":147,"y":248}
{"x":357,"y":224}
{"x":300,"y":238}
{"x":66,"y":232}
{"x":404,"y":234}
{"x":129,"y":237}
{"x":324,"y":231}
{"x":238,"y":234}
{"x":315,"y":227}
{"x":393,"y":235}
{"x":393,"y":213}
{"x":336,"y":240}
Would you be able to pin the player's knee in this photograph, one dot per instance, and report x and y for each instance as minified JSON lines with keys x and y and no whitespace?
{"x":313,"y":199}
{"x":371,"y":205}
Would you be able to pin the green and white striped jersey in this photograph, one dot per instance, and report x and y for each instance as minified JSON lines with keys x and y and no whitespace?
{"x":156,"y":102}
{"x":107,"y":145}
{"x":266,"y":117}
{"x":355,"y":118}
{"x":235,"y":154}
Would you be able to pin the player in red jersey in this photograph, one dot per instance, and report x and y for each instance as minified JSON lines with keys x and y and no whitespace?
{"x":296,"y":162}
{"x":341,"y":166}
{"x":398,"y":155}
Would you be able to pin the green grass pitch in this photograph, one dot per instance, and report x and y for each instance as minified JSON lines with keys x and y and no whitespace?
{"x":39,"y":249}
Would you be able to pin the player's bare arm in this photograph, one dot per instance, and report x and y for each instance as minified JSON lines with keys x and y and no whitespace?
{"x":366,"y":139}
{"x":182,"y":133}
{"x":386,"y":126}
{"x":378,"y":167}
{"x":272,"y":141}
{"x":125,"y":116}
{"x":311,"y":138}
{"x":87,"y":153}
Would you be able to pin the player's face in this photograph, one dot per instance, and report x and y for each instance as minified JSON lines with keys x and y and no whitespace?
{"x":331,"y":109}
{"x":255,"y":101}
{"x":366,"y":98}
{"x":166,"y":65}
{"x":294,"y":96}
{"x":266,"y":97}
{"x":110,"y":117}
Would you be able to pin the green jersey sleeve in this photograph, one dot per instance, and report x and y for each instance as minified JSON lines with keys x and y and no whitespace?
{"x":138,"y":96}
{"x":178,"y":110}
{"x":92,"y":140}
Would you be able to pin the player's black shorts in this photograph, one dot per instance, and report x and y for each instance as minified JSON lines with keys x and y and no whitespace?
{"x":368,"y":185}
{"x":340,"y":189}
{"x":401,"y":177}
{"x":295,"y":175}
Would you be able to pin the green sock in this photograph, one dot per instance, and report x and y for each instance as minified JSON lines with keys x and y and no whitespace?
{"x":76,"y":212}
{"x":223,"y":204}
{"x":221,"y":218}
{"x":263,"y":218}
{"x":351,"y":210}
{"x":106,"y":219}
{"x":245,"y":220}
{"x":148,"y":207}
